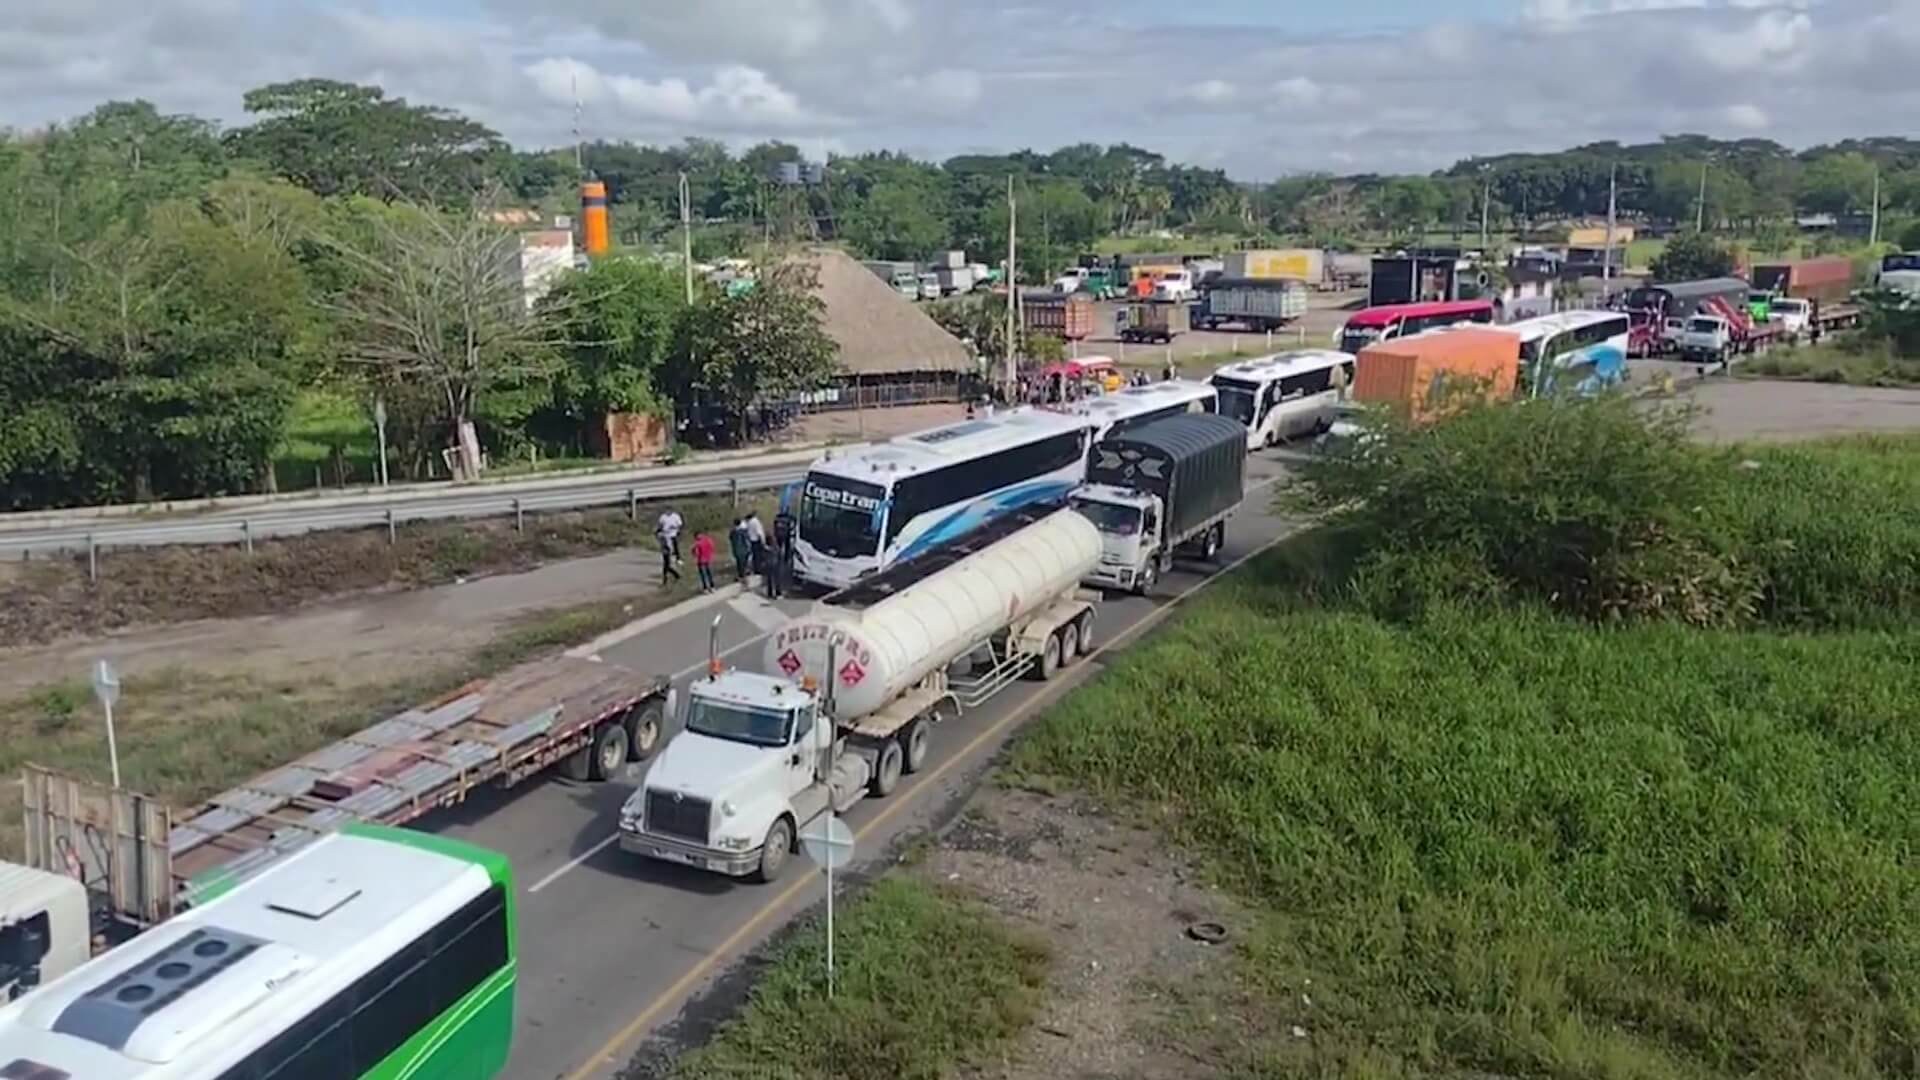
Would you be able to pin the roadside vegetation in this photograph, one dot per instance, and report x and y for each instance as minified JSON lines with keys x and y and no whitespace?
{"x":924,"y":980}
{"x":1575,"y":750}
{"x":41,"y":602}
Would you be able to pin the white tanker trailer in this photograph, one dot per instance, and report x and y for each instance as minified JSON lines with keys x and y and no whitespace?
{"x":852,"y":690}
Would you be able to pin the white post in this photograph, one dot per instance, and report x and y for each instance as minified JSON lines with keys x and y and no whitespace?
{"x":106,"y":687}
{"x":830,"y":817}
{"x":113,"y":748}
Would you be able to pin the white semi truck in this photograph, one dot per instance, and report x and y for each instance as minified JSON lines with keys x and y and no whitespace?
{"x":850,"y":693}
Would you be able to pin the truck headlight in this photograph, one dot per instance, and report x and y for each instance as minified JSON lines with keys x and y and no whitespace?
{"x":735,"y":843}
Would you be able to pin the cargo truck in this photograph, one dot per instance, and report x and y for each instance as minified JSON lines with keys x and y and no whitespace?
{"x":848,"y":695}
{"x":1255,"y":303}
{"x":45,"y":930}
{"x":1306,"y":265}
{"x":142,"y":863}
{"x":1148,"y":321}
{"x":1159,"y":491}
{"x":1069,"y":317}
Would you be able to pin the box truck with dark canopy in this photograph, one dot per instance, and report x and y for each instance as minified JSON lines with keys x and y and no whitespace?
{"x":1161,"y":489}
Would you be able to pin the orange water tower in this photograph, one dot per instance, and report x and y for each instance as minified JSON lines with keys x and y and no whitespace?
{"x":593,"y":216}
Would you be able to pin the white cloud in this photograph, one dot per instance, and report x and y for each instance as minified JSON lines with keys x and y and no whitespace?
{"x":941,"y":78}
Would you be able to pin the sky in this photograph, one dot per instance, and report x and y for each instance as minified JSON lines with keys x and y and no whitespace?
{"x":1261,"y":88}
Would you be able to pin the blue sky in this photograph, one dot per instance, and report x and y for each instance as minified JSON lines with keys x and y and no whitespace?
{"x":1258,"y":88}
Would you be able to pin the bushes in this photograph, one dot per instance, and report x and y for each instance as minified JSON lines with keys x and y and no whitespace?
{"x":1600,"y":509}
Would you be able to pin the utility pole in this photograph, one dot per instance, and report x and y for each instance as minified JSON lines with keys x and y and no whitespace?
{"x":1012,"y":374}
{"x":1700,"y":208}
{"x":686,"y":236}
{"x":1486,"y":201}
{"x":579,"y":153}
{"x":1606,"y":262}
{"x":1873,"y":226}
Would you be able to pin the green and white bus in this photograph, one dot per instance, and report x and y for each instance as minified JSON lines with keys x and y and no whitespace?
{"x":369,"y":953}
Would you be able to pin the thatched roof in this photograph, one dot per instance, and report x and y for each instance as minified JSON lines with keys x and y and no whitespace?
{"x":878,"y":330}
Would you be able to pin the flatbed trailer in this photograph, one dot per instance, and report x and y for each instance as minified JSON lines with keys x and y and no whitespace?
{"x":144,"y":862}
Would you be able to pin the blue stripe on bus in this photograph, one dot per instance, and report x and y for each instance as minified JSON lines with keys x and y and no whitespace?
{"x":967,"y":518}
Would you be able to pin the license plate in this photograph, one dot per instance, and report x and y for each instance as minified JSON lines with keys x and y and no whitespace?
{"x":680,"y":857}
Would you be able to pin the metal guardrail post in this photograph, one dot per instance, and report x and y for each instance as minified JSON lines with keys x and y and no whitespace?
{"x":633,"y":505}
{"x":93,"y":559}
{"x":733,"y":485}
{"x":246,"y":534}
{"x":392,"y":538}
{"x":519,"y":517}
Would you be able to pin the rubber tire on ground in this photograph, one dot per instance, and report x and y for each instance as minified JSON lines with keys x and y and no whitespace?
{"x":1069,"y":643}
{"x":1085,"y":628}
{"x":886,"y":771}
{"x":913,"y":744}
{"x":1149,"y":577}
{"x":774,"y":853}
{"x":1048,"y":665}
{"x":644,"y":726}
{"x":609,"y":751}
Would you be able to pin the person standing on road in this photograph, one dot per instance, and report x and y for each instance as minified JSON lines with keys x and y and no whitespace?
{"x":703,"y":560}
{"x":668,"y":530}
{"x":781,"y":579}
{"x":742,"y":551}
{"x":668,"y":571}
{"x":757,"y":544}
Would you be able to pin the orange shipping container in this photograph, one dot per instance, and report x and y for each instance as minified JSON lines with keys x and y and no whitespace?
{"x":1412,"y":373}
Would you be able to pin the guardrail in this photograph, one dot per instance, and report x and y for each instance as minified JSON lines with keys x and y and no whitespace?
{"x":258,"y":523}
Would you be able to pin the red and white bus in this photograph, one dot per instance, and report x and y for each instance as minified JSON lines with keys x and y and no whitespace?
{"x":1390,"y":321}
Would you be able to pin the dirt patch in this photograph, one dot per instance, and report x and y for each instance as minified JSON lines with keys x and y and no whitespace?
{"x":1125,"y":916}
{"x":42,"y":602}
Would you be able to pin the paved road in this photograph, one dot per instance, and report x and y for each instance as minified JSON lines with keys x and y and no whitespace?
{"x":612,"y":947}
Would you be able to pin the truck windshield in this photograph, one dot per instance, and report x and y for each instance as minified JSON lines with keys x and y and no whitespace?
{"x":739,"y":723}
{"x":1110,"y":517}
{"x":1703,"y":326}
{"x":841,"y":518}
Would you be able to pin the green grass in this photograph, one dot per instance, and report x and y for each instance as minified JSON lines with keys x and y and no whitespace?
{"x":1529,"y":846}
{"x":924,"y":980}
{"x":1832,"y":363}
{"x":324,"y":424}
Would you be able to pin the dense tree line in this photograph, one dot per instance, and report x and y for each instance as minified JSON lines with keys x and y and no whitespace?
{"x":168,"y":289}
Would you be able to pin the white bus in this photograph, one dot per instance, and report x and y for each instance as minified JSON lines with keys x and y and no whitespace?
{"x":1109,"y":414}
{"x":372,"y":952}
{"x":866,"y":508}
{"x":1284,"y":395}
{"x":1584,"y":351}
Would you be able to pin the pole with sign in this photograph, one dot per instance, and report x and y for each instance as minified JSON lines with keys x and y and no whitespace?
{"x":829,"y":842}
{"x":106,"y":687}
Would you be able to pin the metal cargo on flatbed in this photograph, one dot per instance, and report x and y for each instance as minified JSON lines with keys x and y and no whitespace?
{"x":1259,"y":302}
{"x":501,"y":730}
{"x":1196,"y":463}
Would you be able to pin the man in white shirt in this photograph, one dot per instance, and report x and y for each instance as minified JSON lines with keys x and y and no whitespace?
{"x":757,"y":542}
{"x":668,"y":530}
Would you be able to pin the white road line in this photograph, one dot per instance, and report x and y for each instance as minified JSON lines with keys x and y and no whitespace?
{"x":571,"y":863}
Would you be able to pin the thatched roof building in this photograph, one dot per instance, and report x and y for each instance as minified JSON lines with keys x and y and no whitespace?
{"x":880,"y":332}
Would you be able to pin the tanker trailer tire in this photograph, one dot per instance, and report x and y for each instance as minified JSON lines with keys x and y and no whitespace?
{"x":1085,"y":625}
{"x":773,"y":853}
{"x":1069,"y":643}
{"x":609,"y":751}
{"x":1048,"y":665}
{"x":915,"y":740}
{"x":886,"y":769}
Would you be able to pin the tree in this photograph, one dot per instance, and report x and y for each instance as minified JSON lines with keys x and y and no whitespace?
{"x":897,"y":220}
{"x":979,"y":320}
{"x":336,"y":138}
{"x":1691,"y":256}
{"x":764,"y":345}
{"x":1910,"y":237}
{"x":1838,"y":184}
{"x":621,"y":318}
{"x":434,"y":301}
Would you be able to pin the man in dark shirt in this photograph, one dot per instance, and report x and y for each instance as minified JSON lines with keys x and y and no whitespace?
{"x":780,"y":579}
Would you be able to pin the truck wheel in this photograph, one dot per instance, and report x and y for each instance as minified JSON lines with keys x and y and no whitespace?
{"x":1210,"y":547}
{"x":773,"y":853}
{"x":886,"y":771}
{"x":643,"y":730}
{"x":609,"y":751}
{"x":1085,"y":626}
{"x":1049,"y":663}
{"x":1069,"y":643}
{"x":915,"y":740}
{"x":1149,"y":577}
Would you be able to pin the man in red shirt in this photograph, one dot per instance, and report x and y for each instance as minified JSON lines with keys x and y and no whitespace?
{"x":703,"y":560}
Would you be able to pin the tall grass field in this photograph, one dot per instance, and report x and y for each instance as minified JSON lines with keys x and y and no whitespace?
{"x":1502,"y":837}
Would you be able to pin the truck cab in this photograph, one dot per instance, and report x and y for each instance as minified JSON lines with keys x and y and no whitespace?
{"x":44,"y":928}
{"x":756,"y":760}
{"x":1133,"y":548}
{"x":1175,"y":285}
{"x":1706,"y":339}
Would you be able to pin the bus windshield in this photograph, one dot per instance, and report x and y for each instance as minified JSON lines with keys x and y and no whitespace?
{"x":1355,"y":338}
{"x":1238,"y":400}
{"x":841,"y":517}
{"x":739,"y":723}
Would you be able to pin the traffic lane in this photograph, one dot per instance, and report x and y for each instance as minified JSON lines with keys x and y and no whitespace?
{"x":614,"y":945}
